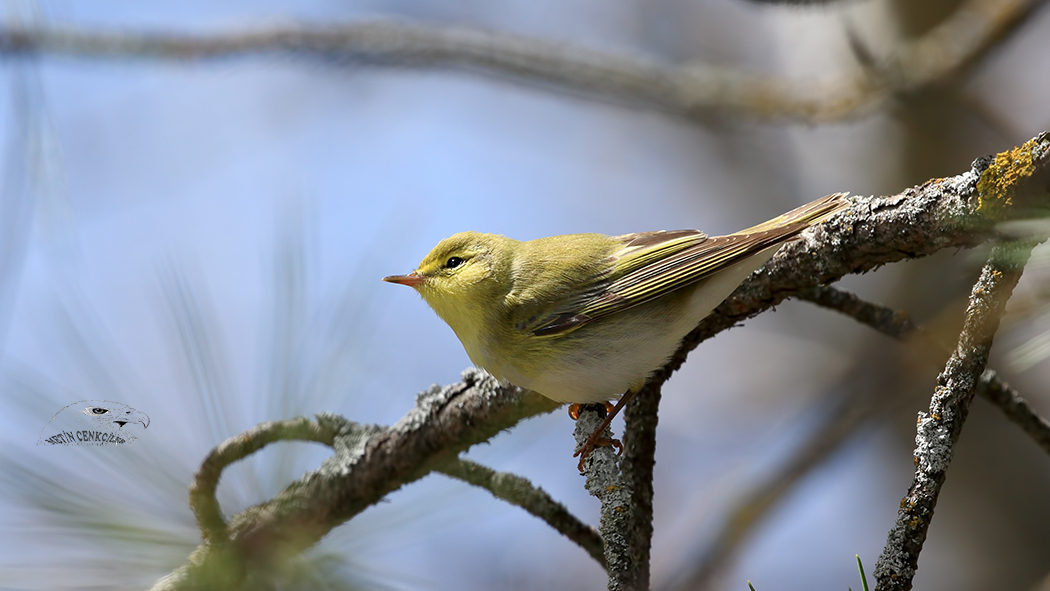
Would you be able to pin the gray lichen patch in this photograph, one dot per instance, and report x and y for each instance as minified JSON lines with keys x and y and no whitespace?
{"x":893,"y":564}
{"x":486,"y":385}
{"x":428,"y":403}
{"x":350,"y":446}
{"x":933,"y":444}
{"x":964,"y":184}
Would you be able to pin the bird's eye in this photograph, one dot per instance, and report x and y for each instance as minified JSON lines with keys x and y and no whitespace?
{"x":453,"y":262}
{"x":99,"y":411}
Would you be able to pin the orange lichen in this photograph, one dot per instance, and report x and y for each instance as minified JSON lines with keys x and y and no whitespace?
{"x":996,"y":187}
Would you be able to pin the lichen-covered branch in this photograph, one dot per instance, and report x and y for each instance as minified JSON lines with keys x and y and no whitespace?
{"x":690,"y":91}
{"x":365,"y":467}
{"x":952,"y":212}
{"x":625,"y":488}
{"x":605,"y":482}
{"x":939,"y":430}
{"x":519,"y":491}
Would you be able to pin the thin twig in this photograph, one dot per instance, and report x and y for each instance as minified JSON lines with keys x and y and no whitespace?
{"x":689,"y":91}
{"x":939,"y":430}
{"x":1015,"y":408}
{"x":890,"y":322}
{"x":519,"y":491}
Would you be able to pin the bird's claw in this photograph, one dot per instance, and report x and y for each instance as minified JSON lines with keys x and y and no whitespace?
{"x":596,"y":441}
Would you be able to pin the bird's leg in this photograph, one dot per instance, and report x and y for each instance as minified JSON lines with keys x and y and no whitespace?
{"x":596,"y":439}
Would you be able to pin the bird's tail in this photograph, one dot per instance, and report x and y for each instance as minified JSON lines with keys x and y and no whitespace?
{"x":811,"y":213}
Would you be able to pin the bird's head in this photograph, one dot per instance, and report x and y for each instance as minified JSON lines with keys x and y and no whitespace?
{"x":462,"y":275}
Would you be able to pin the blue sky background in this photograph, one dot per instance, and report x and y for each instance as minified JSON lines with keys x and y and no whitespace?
{"x":250,"y":206}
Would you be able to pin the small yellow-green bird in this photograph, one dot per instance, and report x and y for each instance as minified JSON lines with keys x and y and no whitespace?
{"x":583,"y":318}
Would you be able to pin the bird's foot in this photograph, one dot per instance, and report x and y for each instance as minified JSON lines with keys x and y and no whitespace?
{"x":576,"y":407}
{"x":596,"y":440}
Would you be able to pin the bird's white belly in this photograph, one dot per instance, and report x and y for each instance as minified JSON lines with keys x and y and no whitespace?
{"x":607,"y":373}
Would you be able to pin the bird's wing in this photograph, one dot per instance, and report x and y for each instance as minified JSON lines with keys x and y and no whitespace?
{"x":634,"y":253}
{"x":654,"y":264}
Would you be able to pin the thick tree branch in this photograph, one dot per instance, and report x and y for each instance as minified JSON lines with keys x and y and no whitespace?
{"x":625,"y":488}
{"x":939,"y":430}
{"x":689,"y":91}
{"x":519,"y":491}
{"x":945,"y":213}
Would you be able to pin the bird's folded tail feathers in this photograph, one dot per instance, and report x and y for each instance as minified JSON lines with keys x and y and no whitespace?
{"x":811,"y":213}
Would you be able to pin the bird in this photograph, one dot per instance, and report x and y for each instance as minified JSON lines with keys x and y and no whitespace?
{"x":584,"y":318}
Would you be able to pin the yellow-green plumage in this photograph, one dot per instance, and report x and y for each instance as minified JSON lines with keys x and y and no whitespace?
{"x":587,"y":317}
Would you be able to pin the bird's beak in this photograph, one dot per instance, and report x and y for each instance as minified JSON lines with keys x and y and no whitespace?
{"x":412,"y":279}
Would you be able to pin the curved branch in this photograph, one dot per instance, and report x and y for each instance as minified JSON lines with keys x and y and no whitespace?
{"x":202,"y":492}
{"x":689,"y":91}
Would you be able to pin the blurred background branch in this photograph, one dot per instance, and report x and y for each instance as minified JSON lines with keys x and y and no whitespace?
{"x":693,"y":90}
